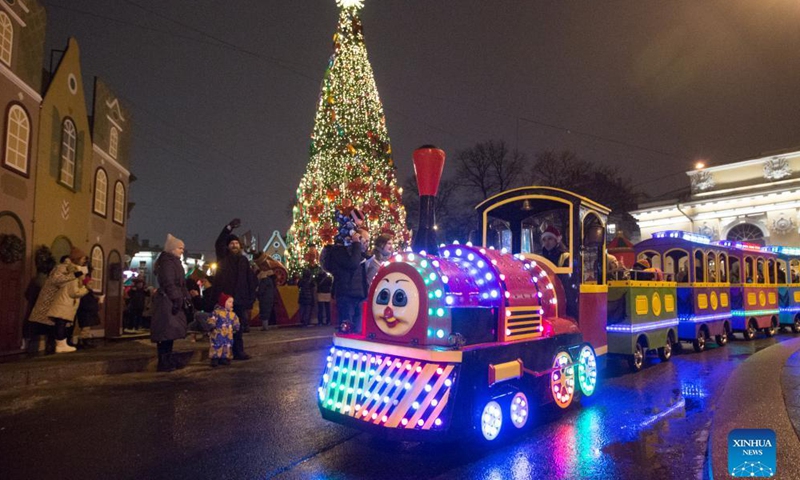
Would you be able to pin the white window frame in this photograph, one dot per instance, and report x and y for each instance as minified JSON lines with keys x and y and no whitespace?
{"x":101,"y":192}
{"x":113,"y":142}
{"x":98,"y":267}
{"x":69,"y":142}
{"x":6,"y":38}
{"x":119,"y":203}
{"x":18,"y":137}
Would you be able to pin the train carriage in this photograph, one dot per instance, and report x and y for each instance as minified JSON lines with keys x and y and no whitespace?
{"x":700,"y":271}
{"x":788,"y":279}
{"x":754,"y":293}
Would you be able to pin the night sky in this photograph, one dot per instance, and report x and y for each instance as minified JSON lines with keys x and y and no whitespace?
{"x":223,"y":94}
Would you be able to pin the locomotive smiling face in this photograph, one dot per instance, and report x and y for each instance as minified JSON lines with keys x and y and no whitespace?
{"x":395,"y":304}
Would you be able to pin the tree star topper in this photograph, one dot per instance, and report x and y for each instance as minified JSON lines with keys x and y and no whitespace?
{"x":357,"y":4}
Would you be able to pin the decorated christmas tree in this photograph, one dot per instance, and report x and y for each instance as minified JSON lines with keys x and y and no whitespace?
{"x":351,"y":162}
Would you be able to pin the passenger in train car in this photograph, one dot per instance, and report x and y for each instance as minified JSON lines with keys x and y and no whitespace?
{"x":683,"y":275}
{"x":735,"y":272}
{"x":781,"y":274}
{"x":553,"y":249}
{"x":795,"y":276}
{"x":614,"y":269}
{"x":640,"y":270}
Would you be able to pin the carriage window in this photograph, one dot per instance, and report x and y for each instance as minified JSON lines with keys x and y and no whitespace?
{"x":749,"y":266}
{"x":794,"y":271}
{"x":782,"y":277}
{"x":711,"y":262}
{"x":676,"y":265}
{"x":592,"y":253}
{"x":770,"y":276}
{"x":736,"y":276}
{"x":699,"y":267}
{"x":498,"y":235}
{"x":723,"y":268}
{"x":760,"y":269}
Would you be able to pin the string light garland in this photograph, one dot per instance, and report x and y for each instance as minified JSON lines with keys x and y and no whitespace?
{"x":351,"y":162}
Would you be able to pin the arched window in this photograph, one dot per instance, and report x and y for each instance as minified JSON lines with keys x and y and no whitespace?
{"x":97,"y":269}
{"x":119,"y":203}
{"x":6,"y":38}
{"x":113,"y":142}
{"x":18,"y":135}
{"x":69,"y":140}
{"x":100,"y":192}
{"x":746,"y":232}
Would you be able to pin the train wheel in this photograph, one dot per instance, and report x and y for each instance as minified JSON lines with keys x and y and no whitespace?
{"x":722,"y":338}
{"x":699,"y":343}
{"x":636,"y":361}
{"x":562,"y":380}
{"x":772,"y":329}
{"x":796,"y":325}
{"x":750,"y":331}
{"x":665,"y":352}
{"x":491,"y":420}
{"x":520,"y":410}
{"x":587,"y":370}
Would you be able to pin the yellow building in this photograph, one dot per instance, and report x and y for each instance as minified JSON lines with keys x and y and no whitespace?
{"x":755,"y":200}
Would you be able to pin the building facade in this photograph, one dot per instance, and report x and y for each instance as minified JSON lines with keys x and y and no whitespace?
{"x":755,"y":200}
{"x":110,"y":181}
{"x":22,"y":40}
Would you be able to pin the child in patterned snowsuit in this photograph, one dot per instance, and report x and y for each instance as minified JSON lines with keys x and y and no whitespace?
{"x":223,"y":323}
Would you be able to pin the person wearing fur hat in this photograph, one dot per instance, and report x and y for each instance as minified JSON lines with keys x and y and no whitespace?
{"x":642,"y":270}
{"x":553,"y":249}
{"x":224,"y":323}
{"x":348,"y":265}
{"x":234,"y":277}
{"x":169,"y":319}
{"x":65,"y":306}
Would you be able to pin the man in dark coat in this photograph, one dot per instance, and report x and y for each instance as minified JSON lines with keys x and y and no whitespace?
{"x":347,"y":265}
{"x":234,"y":277}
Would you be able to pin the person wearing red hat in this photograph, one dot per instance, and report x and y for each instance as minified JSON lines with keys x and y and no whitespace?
{"x":224,"y":323}
{"x":552,"y":248}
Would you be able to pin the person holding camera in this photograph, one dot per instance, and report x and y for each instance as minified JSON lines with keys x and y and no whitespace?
{"x":169,"y":318}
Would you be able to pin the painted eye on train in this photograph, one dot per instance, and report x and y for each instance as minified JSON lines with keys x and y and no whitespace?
{"x":400,"y":299}
{"x":383,"y":297}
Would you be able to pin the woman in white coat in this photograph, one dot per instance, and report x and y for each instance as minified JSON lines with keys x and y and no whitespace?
{"x":65,"y":305}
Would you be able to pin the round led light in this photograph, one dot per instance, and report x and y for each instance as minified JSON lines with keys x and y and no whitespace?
{"x":491,"y":420}
{"x":519,"y":410}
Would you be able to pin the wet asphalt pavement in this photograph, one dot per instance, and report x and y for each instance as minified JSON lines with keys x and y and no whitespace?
{"x":258,"y":419}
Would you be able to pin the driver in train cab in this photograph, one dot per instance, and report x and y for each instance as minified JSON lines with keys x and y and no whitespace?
{"x":553,"y":249}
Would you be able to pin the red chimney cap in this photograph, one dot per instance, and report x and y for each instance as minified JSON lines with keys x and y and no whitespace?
{"x":428,"y":166}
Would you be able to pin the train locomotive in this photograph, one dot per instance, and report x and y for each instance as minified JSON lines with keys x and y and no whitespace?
{"x":464,"y":339}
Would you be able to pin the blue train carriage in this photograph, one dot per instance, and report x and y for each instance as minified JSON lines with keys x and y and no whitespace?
{"x":754,"y":290}
{"x":788,"y":279}
{"x":700,"y":270}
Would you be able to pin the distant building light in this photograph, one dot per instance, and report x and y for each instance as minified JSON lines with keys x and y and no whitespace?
{"x":699,"y":166}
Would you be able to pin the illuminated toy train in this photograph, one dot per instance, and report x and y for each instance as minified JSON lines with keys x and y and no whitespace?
{"x":460,"y":339}
{"x":463,"y":339}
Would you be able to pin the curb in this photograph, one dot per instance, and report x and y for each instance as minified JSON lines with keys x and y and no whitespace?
{"x":749,"y":400}
{"x":49,"y":374}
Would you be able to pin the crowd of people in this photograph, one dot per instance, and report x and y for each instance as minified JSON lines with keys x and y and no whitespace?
{"x":219,"y":305}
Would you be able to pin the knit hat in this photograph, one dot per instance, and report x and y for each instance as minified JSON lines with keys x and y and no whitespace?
{"x":643,"y":262}
{"x":231,"y":237}
{"x":223,"y":299}
{"x":172,"y":243}
{"x":551,"y":231}
{"x":75,"y":254}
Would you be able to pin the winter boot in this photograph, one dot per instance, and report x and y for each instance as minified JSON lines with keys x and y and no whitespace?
{"x":214,"y":362}
{"x":175,"y":361}
{"x":164,"y":363}
{"x":62,"y":347}
{"x":224,"y":361}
